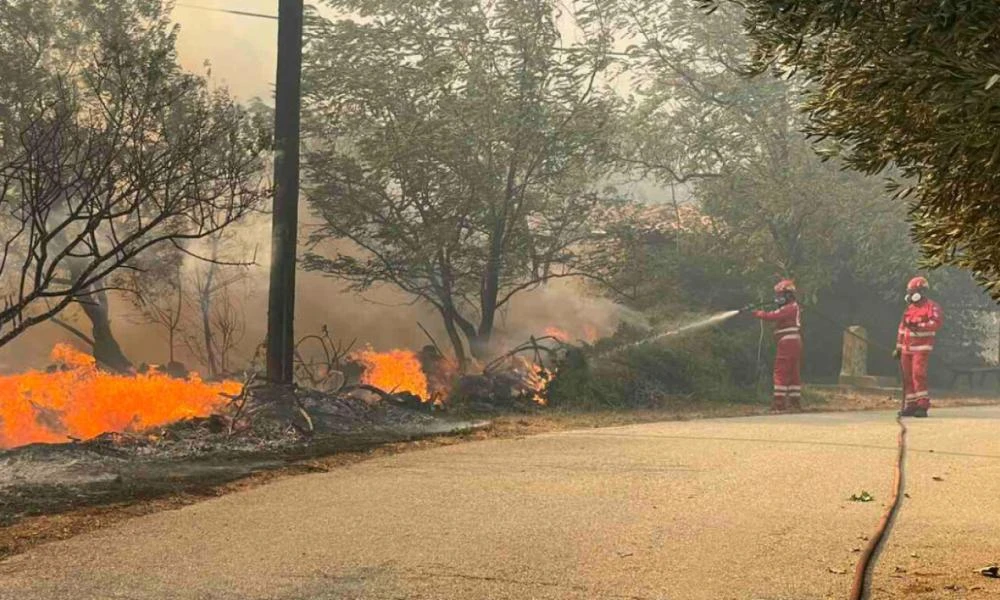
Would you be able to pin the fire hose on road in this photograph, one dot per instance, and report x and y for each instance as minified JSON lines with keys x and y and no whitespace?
{"x":866,"y":562}
{"x":862,"y":571}
{"x":868,"y":558}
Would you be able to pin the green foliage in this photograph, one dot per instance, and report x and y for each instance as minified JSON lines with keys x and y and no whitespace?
{"x":774,"y":207}
{"x":716,"y":365}
{"x":908,"y":83}
{"x":854,"y":299}
{"x":763,"y":205}
{"x":584,"y":386}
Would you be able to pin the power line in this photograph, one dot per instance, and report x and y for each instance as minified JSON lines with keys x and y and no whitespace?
{"x":436,"y":38}
{"x":241,"y":13}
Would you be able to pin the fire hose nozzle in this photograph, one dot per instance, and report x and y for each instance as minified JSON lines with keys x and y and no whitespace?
{"x":752,"y":307}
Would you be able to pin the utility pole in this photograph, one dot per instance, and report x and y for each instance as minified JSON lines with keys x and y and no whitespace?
{"x":284,"y":221}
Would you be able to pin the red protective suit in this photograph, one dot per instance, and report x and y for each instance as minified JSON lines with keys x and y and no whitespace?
{"x":788,"y":360}
{"x":915,"y":341}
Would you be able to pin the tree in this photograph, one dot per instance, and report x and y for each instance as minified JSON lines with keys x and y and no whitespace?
{"x":763,"y":204}
{"x":220,"y":320}
{"x":470,"y":140}
{"x":196,"y":297}
{"x":158,"y":293}
{"x":108,"y":150}
{"x":910,"y":84}
{"x":771,"y":205}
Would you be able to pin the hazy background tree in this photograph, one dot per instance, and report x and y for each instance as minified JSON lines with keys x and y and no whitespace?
{"x":458,"y":150}
{"x":762,"y":203}
{"x":910,"y":84}
{"x":108,"y":150}
{"x":197,"y":298}
{"x":158,"y":292}
{"x":216,"y":292}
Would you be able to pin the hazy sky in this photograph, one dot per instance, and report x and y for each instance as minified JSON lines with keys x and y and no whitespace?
{"x":241,"y":50}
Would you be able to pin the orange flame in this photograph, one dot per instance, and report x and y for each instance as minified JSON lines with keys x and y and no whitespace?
{"x":538,"y":381}
{"x":589,"y":334}
{"x":532,"y":379}
{"x":557,"y":333}
{"x":394,"y":371}
{"x":441,"y":380}
{"x":82,"y":402}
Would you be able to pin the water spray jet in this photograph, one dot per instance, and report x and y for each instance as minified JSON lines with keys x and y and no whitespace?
{"x":701,"y":324}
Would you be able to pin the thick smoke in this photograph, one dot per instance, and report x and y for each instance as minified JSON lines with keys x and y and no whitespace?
{"x":240,"y":54}
{"x":382,"y":317}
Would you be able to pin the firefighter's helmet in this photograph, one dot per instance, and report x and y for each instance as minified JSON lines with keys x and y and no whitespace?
{"x":917,"y":283}
{"x":785,"y":285}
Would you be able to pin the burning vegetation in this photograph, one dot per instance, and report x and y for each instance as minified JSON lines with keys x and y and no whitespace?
{"x":394,"y":371}
{"x":74,"y":435}
{"x":74,"y":399}
{"x":429,"y":379}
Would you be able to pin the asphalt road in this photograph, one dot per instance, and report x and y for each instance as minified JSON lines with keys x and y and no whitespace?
{"x":752,"y":508}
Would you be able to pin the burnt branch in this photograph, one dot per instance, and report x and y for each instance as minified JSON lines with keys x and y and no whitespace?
{"x":83,"y":336}
{"x":319,"y":372}
{"x":532,"y":345}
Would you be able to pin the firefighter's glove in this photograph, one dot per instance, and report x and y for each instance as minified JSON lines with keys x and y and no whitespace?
{"x":897,"y":353}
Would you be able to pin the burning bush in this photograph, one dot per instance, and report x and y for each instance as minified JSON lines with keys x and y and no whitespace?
{"x":511,"y":383}
{"x":394,"y":371}
{"x":430,"y":379}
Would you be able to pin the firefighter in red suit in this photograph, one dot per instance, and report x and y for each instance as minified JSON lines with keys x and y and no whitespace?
{"x":914,"y":343}
{"x":788,"y":336}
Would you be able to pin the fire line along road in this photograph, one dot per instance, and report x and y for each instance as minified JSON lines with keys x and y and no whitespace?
{"x":737,"y":508}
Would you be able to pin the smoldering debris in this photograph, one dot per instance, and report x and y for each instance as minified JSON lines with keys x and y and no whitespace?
{"x":264,"y":428}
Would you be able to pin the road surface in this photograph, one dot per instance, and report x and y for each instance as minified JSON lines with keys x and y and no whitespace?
{"x":753,"y":508}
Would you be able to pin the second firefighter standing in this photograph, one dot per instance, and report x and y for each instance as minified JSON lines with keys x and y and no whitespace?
{"x":788,"y":338}
{"x":914,"y":343}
